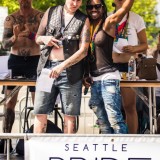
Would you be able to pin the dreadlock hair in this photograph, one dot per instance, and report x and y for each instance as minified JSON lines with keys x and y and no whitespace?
{"x":104,"y":8}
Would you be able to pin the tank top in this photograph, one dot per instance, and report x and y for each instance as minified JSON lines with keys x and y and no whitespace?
{"x":103,"y":55}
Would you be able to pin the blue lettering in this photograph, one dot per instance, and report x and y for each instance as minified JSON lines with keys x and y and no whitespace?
{"x":113,"y":149}
{"x":124,"y":147}
{"x":79,"y":158}
{"x":139,"y":158}
{"x":75,"y":147}
{"x":55,"y":158}
{"x":67,"y":147}
{"x":95,"y":147}
{"x":95,"y":158}
{"x":85,"y":147}
{"x":105,"y":145}
{"x":108,"y":159}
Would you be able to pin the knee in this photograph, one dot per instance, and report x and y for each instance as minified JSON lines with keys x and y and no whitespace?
{"x":11,"y":104}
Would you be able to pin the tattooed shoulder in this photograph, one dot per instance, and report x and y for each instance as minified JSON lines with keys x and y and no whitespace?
{"x":9,"y":21}
{"x":86,"y":32}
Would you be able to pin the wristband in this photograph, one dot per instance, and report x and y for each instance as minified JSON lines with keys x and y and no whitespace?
{"x":32,"y":36}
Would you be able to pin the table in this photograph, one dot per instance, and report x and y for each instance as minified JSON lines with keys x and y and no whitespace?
{"x":25,"y":82}
{"x":150,"y":84}
{"x":150,"y":101}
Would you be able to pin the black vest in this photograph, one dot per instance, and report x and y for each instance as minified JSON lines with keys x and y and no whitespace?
{"x":70,"y":43}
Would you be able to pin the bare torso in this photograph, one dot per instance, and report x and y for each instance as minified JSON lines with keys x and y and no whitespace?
{"x":27,"y":27}
{"x":57,"y":53}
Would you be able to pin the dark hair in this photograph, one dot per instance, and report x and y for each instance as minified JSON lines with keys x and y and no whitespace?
{"x":114,"y":5}
{"x":104,"y":8}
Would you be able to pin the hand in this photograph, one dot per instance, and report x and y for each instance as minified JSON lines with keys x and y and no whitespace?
{"x":56,"y":71}
{"x":50,"y":41}
{"x":87,"y":81}
{"x":17,"y":29}
{"x":128,"y":49}
{"x":26,"y":31}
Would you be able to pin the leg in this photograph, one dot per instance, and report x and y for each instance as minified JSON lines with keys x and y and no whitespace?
{"x":129,"y":105}
{"x":9,"y":113}
{"x":71,"y":101}
{"x":40,"y":123}
{"x":43,"y":105}
{"x":69,"y":124}
{"x":97,"y":105}
{"x":112,"y":100}
{"x":33,"y":96}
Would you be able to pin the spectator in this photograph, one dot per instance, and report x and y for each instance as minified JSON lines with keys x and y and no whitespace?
{"x":132,"y":30}
{"x":19,"y":34}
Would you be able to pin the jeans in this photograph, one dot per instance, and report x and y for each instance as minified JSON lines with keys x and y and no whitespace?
{"x":105,"y":102}
{"x":70,"y":95}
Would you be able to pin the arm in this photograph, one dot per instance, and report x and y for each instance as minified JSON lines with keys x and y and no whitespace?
{"x":41,"y":38}
{"x":118,"y":15}
{"x":10,"y":33}
{"x":79,"y":55}
{"x":84,"y":44}
{"x":141,"y":47}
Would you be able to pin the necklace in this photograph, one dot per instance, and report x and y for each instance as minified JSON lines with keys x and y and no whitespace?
{"x":93,"y":35}
{"x":121,"y":30}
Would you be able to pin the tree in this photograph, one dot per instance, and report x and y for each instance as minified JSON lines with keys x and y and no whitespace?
{"x":145,"y":8}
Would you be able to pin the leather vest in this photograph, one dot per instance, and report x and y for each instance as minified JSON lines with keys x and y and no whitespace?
{"x":71,"y":36}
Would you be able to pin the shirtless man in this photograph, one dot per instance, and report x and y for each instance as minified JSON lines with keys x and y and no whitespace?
{"x":19,"y":34}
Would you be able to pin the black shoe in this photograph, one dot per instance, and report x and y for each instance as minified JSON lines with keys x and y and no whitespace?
{"x":2,"y":141}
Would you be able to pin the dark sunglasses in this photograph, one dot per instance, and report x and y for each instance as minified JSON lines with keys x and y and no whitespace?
{"x":96,"y":6}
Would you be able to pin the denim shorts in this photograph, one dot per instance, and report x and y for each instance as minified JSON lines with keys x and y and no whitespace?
{"x":70,"y":95}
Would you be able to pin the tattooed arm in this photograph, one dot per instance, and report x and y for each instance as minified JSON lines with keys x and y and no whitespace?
{"x":84,"y":44}
{"x":41,"y":38}
{"x":77,"y":56}
{"x":10,"y":33}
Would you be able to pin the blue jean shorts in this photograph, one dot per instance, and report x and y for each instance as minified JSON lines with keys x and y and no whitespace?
{"x":70,"y":95}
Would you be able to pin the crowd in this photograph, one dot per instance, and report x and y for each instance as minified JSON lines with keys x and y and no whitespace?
{"x":78,"y":49}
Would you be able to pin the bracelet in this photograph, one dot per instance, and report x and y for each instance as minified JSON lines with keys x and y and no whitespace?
{"x":32,"y":36}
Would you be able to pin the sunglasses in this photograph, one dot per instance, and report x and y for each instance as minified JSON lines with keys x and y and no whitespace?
{"x":96,"y":6}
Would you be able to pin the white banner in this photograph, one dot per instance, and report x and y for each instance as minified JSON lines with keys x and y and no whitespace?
{"x":92,"y":148}
{"x":3,"y":15}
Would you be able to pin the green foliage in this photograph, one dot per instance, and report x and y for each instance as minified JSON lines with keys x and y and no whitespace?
{"x":145,"y":8}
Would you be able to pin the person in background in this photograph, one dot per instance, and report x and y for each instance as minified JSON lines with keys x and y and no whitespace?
{"x":131,"y":30}
{"x":68,"y":40}
{"x":156,"y":54}
{"x":105,"y":98}
{"x":19,"y":34}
